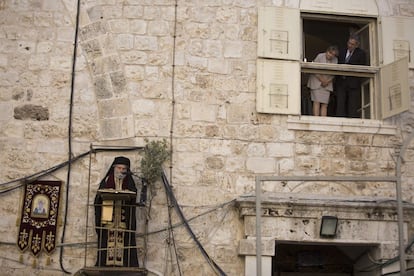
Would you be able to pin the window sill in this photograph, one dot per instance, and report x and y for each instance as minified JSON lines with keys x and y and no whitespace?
{"x":334,"y":124}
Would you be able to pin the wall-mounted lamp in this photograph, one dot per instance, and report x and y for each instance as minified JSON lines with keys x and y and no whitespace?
{"x":328,"y":226}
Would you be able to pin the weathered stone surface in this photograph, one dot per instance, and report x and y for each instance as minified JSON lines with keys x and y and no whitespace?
{"x":32,"y":112}
{"x":103,"y":87}
{"x":127,"y":89}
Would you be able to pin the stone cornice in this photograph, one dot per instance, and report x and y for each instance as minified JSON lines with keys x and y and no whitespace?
{"x":312,"y":206}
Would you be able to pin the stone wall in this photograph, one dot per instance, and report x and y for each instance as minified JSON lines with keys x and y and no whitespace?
{"x":154,"y":69}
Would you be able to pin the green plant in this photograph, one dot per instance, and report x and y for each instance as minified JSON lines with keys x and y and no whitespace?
{"x":155,"y":154}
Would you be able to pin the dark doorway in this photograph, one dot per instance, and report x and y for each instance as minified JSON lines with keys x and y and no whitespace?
{"x":317,"y":259}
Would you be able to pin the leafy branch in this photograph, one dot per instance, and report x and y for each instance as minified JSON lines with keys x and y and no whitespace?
{"x":155,"y":154}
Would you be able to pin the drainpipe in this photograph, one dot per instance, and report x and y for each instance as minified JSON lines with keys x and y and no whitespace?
{"x":403,"y":265}
{"x":258,"y":226}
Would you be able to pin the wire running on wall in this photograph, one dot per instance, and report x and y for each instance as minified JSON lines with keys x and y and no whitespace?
{"x":171,"y":200}
{"x":217,"y":269}
{"x":171,"y":237}
{"x":29,"y":178}
{"x":72,"y":91}
{"x":173,"y":87}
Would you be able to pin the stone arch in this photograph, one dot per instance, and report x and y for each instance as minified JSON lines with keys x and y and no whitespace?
{"x":321,"y":188}
{"x":97,"y":41}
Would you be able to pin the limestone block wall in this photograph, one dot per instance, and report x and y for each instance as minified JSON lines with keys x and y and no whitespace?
{"x":180,"y":70}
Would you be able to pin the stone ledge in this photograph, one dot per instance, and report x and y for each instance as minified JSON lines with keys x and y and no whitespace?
{"x":308,"y":206}
{"x":334,"y":124}
{"x":321,"y":200}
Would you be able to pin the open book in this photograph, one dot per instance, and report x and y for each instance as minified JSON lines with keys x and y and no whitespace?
{"x":113,"y":194}
{"x":116,"y":191}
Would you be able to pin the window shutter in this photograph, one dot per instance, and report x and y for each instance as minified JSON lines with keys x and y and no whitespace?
{"x":279,"y":33}
{"x":395,"y":97}
{"x":278,"y":86}
{"x":278,"y":78}
{"x":397,"y":39}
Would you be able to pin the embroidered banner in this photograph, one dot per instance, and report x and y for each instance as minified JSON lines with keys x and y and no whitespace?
{"x":39,"y":217}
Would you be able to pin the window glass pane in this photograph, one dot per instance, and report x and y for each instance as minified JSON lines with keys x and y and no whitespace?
{"x":366,"y":100}
{"x":364,"y":42}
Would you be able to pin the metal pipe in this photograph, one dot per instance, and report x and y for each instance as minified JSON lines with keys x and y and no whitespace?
{"x":400,"y":214}
{"x":258,"y":227}
{"x":400,"y":211}
{"x":329,"y":178}
{"x":396,"y":179}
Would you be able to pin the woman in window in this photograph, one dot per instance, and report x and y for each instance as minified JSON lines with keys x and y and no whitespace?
{"x":321,"y":85}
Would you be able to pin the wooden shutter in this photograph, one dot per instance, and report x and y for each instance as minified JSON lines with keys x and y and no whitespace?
{"x":279,"y":33}
{"x":397,"y":39}
{"x":278,"y":76}
{"x":395,"y":97}
{"x":278,"y":86}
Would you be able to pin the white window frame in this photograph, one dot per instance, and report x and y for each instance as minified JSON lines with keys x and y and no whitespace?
{"x":289,"y":38}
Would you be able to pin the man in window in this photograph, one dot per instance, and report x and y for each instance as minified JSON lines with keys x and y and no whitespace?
{"x":348,"y":88}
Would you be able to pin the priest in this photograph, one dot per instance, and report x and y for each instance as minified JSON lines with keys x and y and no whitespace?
{"x":115,"y":217}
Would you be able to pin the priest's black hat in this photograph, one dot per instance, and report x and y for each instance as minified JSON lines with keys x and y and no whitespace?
{"x":121,"y":160}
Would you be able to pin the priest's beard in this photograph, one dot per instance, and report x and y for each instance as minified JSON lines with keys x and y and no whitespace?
{"x":119,"y":175}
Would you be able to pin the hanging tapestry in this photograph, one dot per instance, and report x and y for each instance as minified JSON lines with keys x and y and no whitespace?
{"x":39,"y":217}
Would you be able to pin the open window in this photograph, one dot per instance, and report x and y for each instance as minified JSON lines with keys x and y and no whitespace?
{"x":319,"y":32}
{"x":289,"y":40}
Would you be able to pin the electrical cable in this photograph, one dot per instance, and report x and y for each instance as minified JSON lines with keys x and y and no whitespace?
{"x":55,"y":168}
{"x":82,"y":244}
{"x":378,"y":265}
{"x":31,"y":177}
{"x":188,"y":220}
{"x":37,"y":175}
{"x":173,"y":87}
{"x":72,"y":92}
{"x":149,"y":233}
{"x":171,"y":237}
{"x":171,"y":195}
